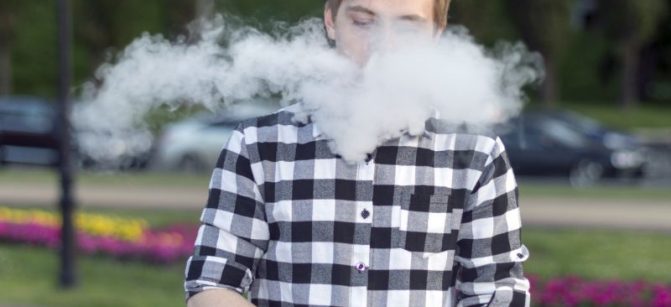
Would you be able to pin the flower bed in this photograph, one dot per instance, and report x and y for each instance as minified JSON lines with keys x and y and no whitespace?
{"x":100,"y":234}
{"x":129,"y":238}
{"x":129,"y":229}
{"x":574,"y":291}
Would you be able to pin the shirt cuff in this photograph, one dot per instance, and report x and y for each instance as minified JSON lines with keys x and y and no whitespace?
{"x":208,"y":272}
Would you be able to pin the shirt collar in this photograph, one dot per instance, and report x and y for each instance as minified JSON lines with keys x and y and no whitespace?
{"x":317,"y":134}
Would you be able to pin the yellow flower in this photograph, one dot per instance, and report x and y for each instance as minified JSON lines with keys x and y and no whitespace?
{"x":129,"y":229}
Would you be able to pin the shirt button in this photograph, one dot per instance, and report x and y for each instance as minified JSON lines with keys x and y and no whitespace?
{"x":361,"y":267}
{"x":365,"y":214}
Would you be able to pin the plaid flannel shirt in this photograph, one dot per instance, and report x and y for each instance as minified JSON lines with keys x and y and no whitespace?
{"x":429,"y":220}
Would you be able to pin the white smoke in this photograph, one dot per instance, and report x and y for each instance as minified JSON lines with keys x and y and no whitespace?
{"x":356,"y":107}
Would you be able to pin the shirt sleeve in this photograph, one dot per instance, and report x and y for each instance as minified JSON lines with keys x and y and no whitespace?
{"x":233,"y":233}
{"x":489,"y":249}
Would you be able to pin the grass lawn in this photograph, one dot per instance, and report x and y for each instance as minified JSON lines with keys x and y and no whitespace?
{"x":646,"y":116}
{"x":598,"y":254}
{"x":624,"y":192}
{"x":28,"y":274}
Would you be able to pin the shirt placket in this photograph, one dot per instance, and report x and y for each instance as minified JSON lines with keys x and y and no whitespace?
{"x":361,"y":257}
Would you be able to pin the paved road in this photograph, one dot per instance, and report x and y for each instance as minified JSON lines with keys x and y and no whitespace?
{"x":537,"y":211}
{"x":622,"y":214}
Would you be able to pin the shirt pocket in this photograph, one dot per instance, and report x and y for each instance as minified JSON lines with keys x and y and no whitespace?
{"x":426,"y":223}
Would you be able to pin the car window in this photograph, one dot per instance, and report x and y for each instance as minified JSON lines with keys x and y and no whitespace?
{"x":28,"y":118}
{"x":561,"y":133}
{"x":583,"y":123}
{"x":533,"y":139}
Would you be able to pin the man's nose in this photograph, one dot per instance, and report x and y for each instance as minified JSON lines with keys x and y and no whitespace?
{"x":387,"y":38}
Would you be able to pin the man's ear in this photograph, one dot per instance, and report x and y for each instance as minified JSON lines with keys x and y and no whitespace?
{"x":329,"y":21}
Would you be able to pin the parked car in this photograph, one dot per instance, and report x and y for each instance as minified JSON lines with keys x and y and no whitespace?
{"x":594,"y":130}
{"x":29,"y":135}
{"x":194,"y":144}
{"x":540,"y":144}
{"x":28,"y":131}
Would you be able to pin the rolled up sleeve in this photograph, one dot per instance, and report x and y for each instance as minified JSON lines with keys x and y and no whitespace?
{"x":233,"y":233}
{"x":490,"y":252}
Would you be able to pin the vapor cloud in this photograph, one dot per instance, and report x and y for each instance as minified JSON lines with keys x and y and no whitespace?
{"x":356,"y":107}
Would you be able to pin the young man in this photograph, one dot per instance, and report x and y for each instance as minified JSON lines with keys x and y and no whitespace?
{"x":431,"y":220}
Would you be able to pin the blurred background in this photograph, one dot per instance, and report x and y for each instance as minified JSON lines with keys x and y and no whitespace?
{"x":592,"y":151}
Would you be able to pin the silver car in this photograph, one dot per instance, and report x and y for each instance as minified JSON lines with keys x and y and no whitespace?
{"x":194,"y":144}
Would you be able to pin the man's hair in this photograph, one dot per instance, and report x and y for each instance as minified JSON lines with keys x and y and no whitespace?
{"x":440,"y":10}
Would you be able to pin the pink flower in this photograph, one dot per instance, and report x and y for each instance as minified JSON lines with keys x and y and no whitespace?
{"x":574,"y":291}
{"x":168,"y":244}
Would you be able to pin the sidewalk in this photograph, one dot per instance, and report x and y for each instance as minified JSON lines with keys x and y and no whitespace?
{"x":92,"y":196}
{"x":594,"y":213}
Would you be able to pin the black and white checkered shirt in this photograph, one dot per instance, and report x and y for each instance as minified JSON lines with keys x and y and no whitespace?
{"x":430,"y":220}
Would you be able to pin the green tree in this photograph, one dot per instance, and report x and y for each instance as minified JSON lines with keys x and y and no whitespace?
{"x":102,"y":28}
{"x":179,"y":13}
{"x":631,"y":24}
{"x":104,"y":25}
{"x":485,"y":20}
{"x":543,"y":25}
{"x":34,"y":49}
{"x":95,"y":27}
{"x":263,"y":13}
{"x":8,"y":10}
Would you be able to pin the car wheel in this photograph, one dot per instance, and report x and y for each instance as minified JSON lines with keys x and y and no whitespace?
{"x":586,"y":173}
{"x":191,"y":164}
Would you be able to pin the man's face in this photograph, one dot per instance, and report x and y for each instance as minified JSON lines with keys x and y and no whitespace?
{"x":362,"y":27}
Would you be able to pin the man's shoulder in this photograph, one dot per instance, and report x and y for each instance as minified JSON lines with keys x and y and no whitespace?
{"x":273,"y":127}
{"x":461,"y":137}
{"x":283,"y":116}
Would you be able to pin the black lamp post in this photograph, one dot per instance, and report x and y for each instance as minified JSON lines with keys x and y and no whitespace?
{"x":67,"y":277}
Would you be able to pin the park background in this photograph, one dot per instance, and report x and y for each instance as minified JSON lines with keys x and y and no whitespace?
{"x":610,"y":60}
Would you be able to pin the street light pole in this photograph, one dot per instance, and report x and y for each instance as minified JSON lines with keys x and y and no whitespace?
{"x":67,"y":276}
